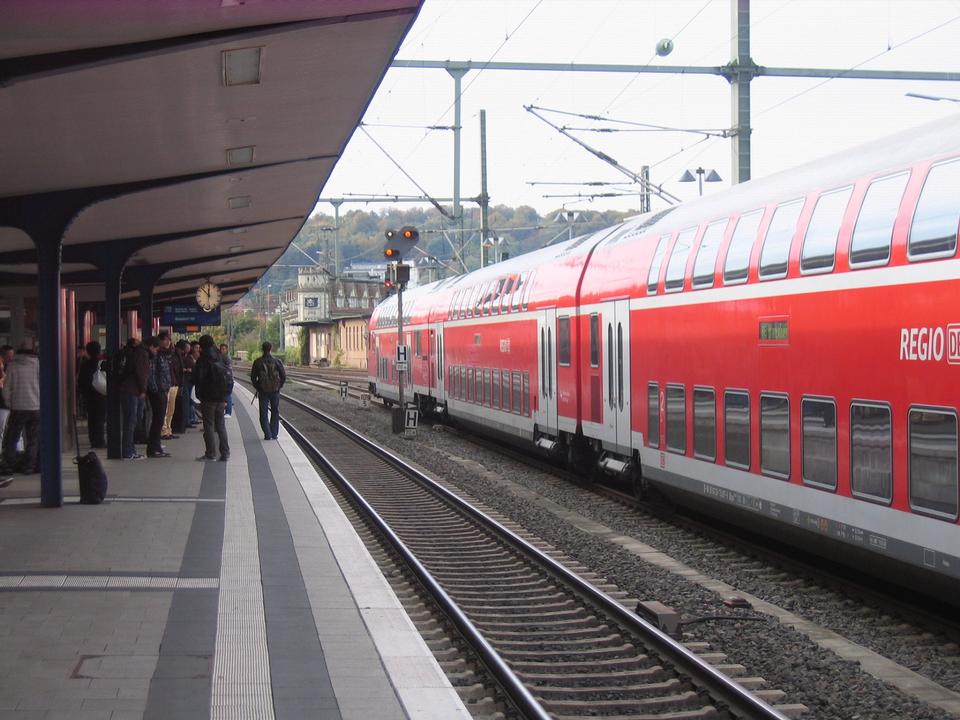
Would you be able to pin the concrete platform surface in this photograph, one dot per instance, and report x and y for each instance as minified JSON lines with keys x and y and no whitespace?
{"x":204,"y":590}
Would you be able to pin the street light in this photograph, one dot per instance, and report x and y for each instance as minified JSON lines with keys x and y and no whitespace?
{"x":711,"y":174}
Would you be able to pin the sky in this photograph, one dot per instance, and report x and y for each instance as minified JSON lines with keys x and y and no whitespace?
{"x":794,"y":119}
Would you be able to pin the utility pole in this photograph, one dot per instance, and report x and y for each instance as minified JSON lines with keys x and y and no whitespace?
{"x":644,"y":189}
{"x":484,"y":199}
{"x":336,"y":236}
{"x":457,"y":75}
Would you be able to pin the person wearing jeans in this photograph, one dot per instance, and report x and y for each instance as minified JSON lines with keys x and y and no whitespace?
{"x":267,"y":376}
{"x":133,"y":390}
{"x":225,"y":354}
{"x":213,"y":382}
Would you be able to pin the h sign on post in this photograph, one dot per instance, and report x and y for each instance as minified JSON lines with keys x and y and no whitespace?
{"x":410,"y":421}
{"x":403,"y":352}
{"x":343,"y":390}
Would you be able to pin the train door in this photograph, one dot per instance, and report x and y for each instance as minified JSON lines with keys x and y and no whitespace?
{"x":547,"y":344}
{"x":437,"y":366}
{"x":616,"y":386}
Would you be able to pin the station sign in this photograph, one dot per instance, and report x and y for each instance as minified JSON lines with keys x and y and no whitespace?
{"x":188,"y":314}
{"x":364,"y":400}
{"x":403,"y":354}
{"x":411,"y":419}
{"x":343,"y":390}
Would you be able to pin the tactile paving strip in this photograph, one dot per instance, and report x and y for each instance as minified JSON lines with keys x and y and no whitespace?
{"x":105,"y":582}
{"x":241,"y":664}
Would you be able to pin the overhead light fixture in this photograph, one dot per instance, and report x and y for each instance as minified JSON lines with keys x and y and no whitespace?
{"x":241,"y":67}
{"x":240,"y":155}
{"x":236,"y":248}
{"x":238,"y":231}
{"x":241,"y":201}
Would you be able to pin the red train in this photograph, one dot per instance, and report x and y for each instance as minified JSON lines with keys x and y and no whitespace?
{"x":785,"y":353}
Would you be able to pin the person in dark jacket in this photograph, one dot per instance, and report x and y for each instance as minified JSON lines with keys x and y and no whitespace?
{"x":225,"y":354}
{"x":96,"y":403}
{"x":176,"y":370}
{"x":178,"y":423}
{"x":133,"y":389}
{"x":158,"y":387}
{"x":268,"y":376}
{"x":210,"y":376}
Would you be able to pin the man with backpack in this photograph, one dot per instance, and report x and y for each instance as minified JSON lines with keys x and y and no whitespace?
{"x":268,"y":376}
{"x":213,"y":381}
{"x":158,"y":389}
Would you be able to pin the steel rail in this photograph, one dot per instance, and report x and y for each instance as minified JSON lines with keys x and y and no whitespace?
{"x":739,"y":700}
{"x":514,"y":688}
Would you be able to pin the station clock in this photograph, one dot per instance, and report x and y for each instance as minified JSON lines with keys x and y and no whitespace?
{"x":208,"y":296}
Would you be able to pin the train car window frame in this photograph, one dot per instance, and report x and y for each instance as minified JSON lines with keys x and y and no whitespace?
{"x":806,"y":444}
{"x":478,"y":387}
{"x":505,"y":390}
{"x":495,"y":395}
{"x":495,"y":301}
{"x":653,"y":274}
{"x":563,"y":341}
{"x":677,"y":264}
{"x":741,"y":247}
{"x":653,"y":414}
{"x":778,"y":240}
{"x":712,"y":434}
{"x":507,"y":294}
{"x":486,"y":387}
{"x":707,"y":254}
{"x":915,"y":506}
{"x":773,"y":472}
{"x":873,"y":201}
{"x":517,"y":292}
{"x":859,"y":494}
{"x":417,"y":344}
{"x":471,"y":384}
{"x":594,"y":340}
{"x":620,"y":379}
{"x":526,"y":293}
{"x":611,"y":400}
{"x":947,"y":186}
{"x":516,"y":400}
{"x":543,"y":361}
{"x":525,"y":390}
{"x":740,"y":394}
{"x":826,"y":219}
{"x":673,"y":447}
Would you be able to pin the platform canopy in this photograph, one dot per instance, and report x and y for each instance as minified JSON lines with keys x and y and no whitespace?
{"x":213,"y":125}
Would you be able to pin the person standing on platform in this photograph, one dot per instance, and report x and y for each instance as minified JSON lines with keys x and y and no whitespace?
{"x":133,"y":369}
{"x":225,"y":354}
{"x":268,"y":376}
{"x":95,"y":403}
{"x":178,"y":423}
{"x":21,"y":393}
{"x":186,"y":387}
{"x":6,"y":356}
{"x":176,"y":370}
{"x":214,"y":383}
{"x":158,"y":387}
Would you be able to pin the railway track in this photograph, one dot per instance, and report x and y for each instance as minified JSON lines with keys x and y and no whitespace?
{"x":556,"y":645}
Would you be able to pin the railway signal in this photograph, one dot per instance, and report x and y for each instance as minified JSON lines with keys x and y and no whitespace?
{"x":400,"y":242}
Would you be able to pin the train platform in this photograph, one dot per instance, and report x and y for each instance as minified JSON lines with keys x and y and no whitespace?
{"x":204,"y":589}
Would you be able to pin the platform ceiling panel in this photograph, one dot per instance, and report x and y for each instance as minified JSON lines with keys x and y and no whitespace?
{"x":234,"y":112}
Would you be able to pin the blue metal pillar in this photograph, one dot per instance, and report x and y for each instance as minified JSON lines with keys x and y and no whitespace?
{"x":48,"y":341}
{"x":113,"y":276}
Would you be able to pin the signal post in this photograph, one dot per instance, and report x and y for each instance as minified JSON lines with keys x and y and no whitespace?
{"x":399,"y":243}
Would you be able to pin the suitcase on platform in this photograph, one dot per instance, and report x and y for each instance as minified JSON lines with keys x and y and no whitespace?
{"x":93,"y":478}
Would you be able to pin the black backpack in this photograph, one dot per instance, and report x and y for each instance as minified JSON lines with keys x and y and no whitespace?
{"x":221,"y":379}
{"x":270,"y":375}
{"x":93,"y":479}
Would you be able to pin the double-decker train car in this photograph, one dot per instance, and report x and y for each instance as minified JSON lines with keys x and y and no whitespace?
{"x":785,"y":353}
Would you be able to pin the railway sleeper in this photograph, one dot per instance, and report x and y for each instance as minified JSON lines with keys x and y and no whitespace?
{"x":523,"y":607}
{"x":559,"y":642}
{"x":624,"y":650}
{"x":599,"y":692}
{"x":553,"y":625}
{"x":707,"y":712}
{"x":532,"y":618}
{"x":547,"y":634}
{"x":600,"y":668}
{"x":539,"y":595}
{"x":682,"y":700}
{"x":641,"y":676}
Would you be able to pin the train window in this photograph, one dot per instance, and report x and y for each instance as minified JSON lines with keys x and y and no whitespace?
{"x":486,"y":387}
{"x":550,"y":362}
{"x":505,"y":388}
{"x":496,"y":389}
{"x":526,"y":292}
{"x":705,"y":423}
{"x":736,"y":428}
{"x":819,"y":442}
{"x":706,"y":263}
{"x":871,"y":460}
{"x":620,"y":365}
{"x":495,"y":309}
{"x":543,"y":362}
{"x":463,"y":383}
{"x":653,"y":277}
{"x":677,"y":267}
{"x":517,"y":393}
{"x":478,"y":387}
{"x":450,"y":382}
{"x":526,"y":393}
{"x":471,"y":384}
{"x":518,"y":291}
{"x":775,"y":253}
{"x":933,"y":232}
{"x":775,"y":435}
{"x":653,"y":414}
{"x":873,"y":231}
{"x":737,"y":264}
{"x":563,"y":341}
{"x":933,"y":462}
{"x":677,"y":418}
{"x":505,"y":298}
{"x":820,"y":242}
{"x":594,"y":340}
{"x":417,"y":344}
{"x":610,"y":363}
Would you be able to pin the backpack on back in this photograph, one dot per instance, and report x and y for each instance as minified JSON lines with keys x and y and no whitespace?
{"x":221,"y":379}
{"x":269,"y":375}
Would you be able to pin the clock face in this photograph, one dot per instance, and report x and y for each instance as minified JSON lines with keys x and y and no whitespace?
{"x":208,"y":296}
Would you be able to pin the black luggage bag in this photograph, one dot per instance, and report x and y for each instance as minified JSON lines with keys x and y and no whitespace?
{"x":93,"y":479}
